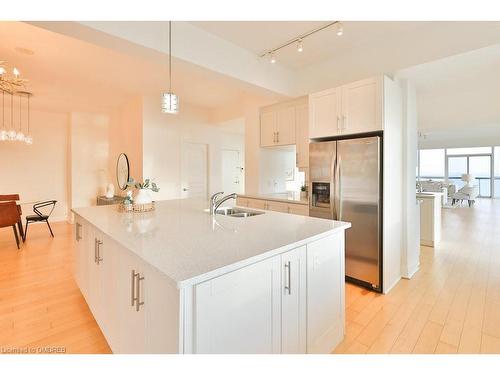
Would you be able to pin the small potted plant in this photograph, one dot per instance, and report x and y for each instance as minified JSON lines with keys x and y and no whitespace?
{"x":143,"y":196}
{"x":303,"y":191}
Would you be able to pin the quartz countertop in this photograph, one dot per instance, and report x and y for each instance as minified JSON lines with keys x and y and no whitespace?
{"x":289,"y":197}
{"x":429,"y":195}
{"x":182,"y":240}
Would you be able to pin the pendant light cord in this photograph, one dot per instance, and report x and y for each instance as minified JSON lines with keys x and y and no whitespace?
{"x":29,"y":114}
{"x":3,"y":110}
{"x":170,"y":57}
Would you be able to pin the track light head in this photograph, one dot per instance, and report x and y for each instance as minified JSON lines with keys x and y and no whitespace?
{"x":300,"y":45}
{"x":273,"y":58}
{"x":340,"y":29}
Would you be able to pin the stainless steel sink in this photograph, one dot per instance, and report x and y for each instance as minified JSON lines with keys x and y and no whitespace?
{"x":236,"y":212}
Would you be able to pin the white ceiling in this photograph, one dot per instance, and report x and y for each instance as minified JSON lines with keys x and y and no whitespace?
{"x":459,"y":93}
{"x":67,"y":74}
{"x":260,"y":36}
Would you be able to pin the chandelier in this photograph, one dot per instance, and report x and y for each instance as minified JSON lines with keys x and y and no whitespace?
{"x":15,"y":106}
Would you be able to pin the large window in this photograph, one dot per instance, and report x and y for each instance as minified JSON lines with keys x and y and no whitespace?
{"x":431,"y":164}
{"x":450,"y":164}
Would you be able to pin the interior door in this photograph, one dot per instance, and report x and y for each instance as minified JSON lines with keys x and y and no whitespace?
{"x":293,"y":302}
{"x":358,"y":201}
{"x":361,"y":107}
{"x":194,"y":170}
{"x":232,"y":172}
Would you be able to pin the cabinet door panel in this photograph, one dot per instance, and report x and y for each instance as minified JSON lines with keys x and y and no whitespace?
{"x":82,"y":248}
{"x":257,"y":203}
{"x":325,"y":294}
{"x":285,"y":126}
{"x":302,"y":135}
{"x":242,"y":202}
{"x":132,"y":324}
{"x":298,"y":209}
{"x":362,"y":106}
{"x":324,"y":113}
{"x":240,"y":312}
{"x":293,"y":302}
{"x":277,"y":206}
{"x":267,"y":129}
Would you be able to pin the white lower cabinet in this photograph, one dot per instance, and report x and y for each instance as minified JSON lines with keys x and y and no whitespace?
{"x":290,"y":303}
{"x":325,"y":294}
{"x":239,"y":312}
{"x":293,"y":301}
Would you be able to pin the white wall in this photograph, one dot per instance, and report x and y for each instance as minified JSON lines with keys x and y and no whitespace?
{"x":273,"y":164}
{"x":88,"y":158}
{"x":163,"y":136}
{"x":410,"y":256}
{"x":39,"y":171}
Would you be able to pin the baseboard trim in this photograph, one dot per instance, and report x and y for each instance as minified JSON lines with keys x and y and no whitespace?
{"x":412,"y":272}
{"x":385,"y":291}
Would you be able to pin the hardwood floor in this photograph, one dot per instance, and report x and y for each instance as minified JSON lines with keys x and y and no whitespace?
{"x":452,"y":305}
{"x":41,"y":307}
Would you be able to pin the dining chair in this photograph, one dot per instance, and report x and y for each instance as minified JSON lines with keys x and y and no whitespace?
{"x":9,"y":217}
{"x":14,"y":197}
{"x":40,"y":216}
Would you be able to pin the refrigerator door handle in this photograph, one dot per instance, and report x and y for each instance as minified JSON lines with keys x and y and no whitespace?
{"x":333,"y":187}
{"x":338,"y":188}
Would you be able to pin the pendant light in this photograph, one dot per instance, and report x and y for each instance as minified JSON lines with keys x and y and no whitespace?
{"x":3,"y":131}
{"x":28,"y":139}
{"x":11,"y":134}
{"x":20,"y":134}
{"x":169,"y":101}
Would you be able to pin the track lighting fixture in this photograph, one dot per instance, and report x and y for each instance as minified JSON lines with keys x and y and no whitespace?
{"x":299,"y":41}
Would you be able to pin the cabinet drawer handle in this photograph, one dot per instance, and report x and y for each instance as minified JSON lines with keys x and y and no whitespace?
{"x":288,"y":284}
{"x":138,"y":292}
{"x":78,"y":231}
{"x":98,"y":257}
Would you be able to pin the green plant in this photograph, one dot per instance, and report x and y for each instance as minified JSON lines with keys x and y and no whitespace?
{"x":147,"y":184}
{"x":303,"y":188}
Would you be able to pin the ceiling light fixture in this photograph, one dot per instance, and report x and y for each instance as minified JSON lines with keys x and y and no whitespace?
{"x":300,"y":45}
{"x":271,"y":53}
{"x":169,"y":101}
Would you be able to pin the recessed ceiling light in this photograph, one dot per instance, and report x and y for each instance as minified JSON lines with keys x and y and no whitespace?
{"x":24,"y":51}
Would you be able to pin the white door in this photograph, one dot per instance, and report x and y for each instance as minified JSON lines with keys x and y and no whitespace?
{"x":362,"y":106}
{"x":293,"y":302}
{"x":324,"y":113}
{"x":232,"y":172}
{"x":325,"y":294}
{"x":239,"y":313}
{"x":194,"y":170}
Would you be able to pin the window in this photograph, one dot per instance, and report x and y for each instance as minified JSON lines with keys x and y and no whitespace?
{"x":497,"y":172}
{"x":468,"y":151}
{"x":431,"y":164}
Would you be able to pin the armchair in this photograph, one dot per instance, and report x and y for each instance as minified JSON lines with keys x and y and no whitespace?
{"x":468,"y":193}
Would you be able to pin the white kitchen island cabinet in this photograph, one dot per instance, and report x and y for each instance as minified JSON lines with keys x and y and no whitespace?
{"x":180,"y":281}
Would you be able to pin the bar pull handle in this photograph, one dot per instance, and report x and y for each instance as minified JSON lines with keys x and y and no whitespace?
{"x":98,"y":258}
{"x":95,"y":250}
{"x":338,"y":122}
{"x":138,"y":292}
{"x":288,"y":282}
{"x":132,"y":288}
{"x":78,"y":233}
{"x":277,"y":137}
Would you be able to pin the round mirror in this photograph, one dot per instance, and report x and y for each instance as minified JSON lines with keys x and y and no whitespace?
{"x":122,"y":171}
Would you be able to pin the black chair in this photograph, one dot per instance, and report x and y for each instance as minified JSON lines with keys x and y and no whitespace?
{"x":40,"y":216}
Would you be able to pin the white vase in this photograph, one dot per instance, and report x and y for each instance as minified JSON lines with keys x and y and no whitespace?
{"x":142,"y":197}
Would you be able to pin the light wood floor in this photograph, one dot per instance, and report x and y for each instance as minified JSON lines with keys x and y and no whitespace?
{"x":452,"y":305}
{"x":40,"y":304}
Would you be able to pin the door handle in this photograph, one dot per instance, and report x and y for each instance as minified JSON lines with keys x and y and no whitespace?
{"x":277,"y":137}
{"x":95,"y":250}
{"x":338,"y":189}
{"x":138,"y":292}
{"x":98,"y":257}
{"x":288,"y":282}
{"x":338,"y":122}
{"x":78,"y":233}
{"x":132,"y":288}
{"x":185,"y":189}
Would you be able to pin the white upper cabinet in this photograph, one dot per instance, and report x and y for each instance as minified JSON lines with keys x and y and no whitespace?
{"x":325,"y":113}
{"x":285,"y":126}
{"x":362,"y":106}
{"x":268,"y":129}
{"x":302,"y":135}
{"x":349,"y":109}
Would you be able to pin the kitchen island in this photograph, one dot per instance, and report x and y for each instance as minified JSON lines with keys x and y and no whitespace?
{"x":177,"y":280}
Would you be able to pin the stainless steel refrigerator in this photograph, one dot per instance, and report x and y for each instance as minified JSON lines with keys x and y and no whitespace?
{"x":346,"y":184}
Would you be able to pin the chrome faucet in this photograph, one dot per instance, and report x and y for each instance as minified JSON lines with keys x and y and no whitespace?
{"x":215,"y":203}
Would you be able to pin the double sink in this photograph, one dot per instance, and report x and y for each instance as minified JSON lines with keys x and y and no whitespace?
{"x":236,"y":212}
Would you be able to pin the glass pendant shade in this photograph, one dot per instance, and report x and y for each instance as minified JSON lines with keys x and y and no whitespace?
{"x":28,"y":140}
{"x":11,"y":135}
{"x":169,"y":103}
{"x":3,"y":135}
{"x":20,"y":136}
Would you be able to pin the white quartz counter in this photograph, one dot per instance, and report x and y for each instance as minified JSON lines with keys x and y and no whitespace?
{"x":290,"y":197}
{"x":183,"y":241}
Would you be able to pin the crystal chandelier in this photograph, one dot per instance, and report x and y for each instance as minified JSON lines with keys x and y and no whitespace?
{"x":12,"y":91}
